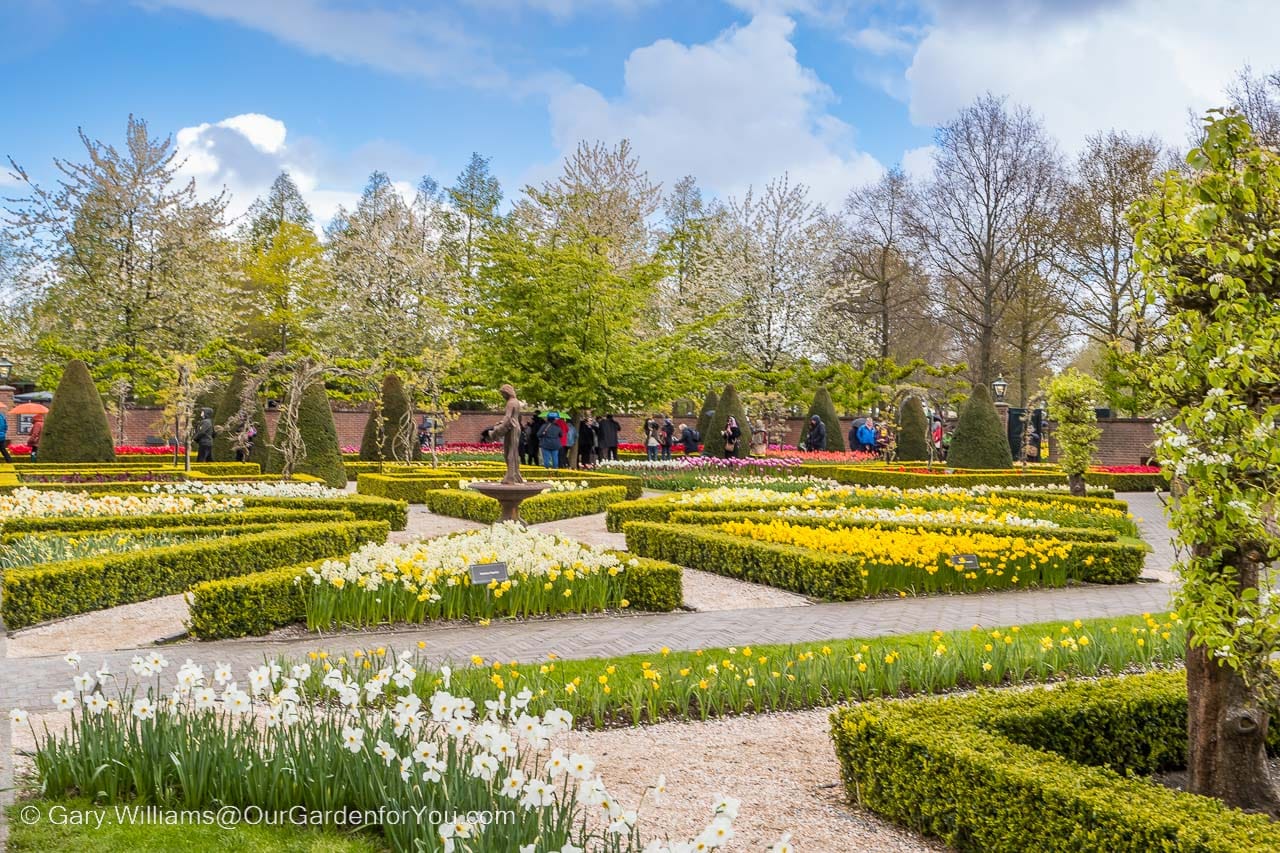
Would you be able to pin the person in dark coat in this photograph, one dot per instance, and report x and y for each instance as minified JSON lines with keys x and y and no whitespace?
{"x":549,"y":438}
{"x":688,"y":439}
{"x":666,"y":437}
{"x":608,"y":437}
{"x":204,"y":436}
{"x":588,"y":435}
{"x":532,"y":451}
{"x":816,"y":440}
{"x":37,"y":430}
{"x":732,"y":438}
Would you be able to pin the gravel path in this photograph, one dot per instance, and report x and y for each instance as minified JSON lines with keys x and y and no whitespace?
{"x":707,"y":591}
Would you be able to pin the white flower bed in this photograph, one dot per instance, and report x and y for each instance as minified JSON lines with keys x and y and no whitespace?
{"x":909,"y":515}
{"x":443,"y":754}
{"x":32,"y":503}
{"x":445,"y":560}
{"x":273,"y":489}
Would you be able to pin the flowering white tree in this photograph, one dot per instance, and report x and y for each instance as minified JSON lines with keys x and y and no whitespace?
{"x":1208,"y":243}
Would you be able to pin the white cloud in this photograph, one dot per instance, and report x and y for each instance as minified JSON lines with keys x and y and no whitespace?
{"x":245,"y":153}
{"x":1135,"y":65}
{"x":880,"y":42}
{"x":737,"y":110}
{"x":401,"y":40}
{"x":917,"y":163}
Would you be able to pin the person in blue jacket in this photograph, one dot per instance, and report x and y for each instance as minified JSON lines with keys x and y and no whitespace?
{"x":867,"y":436}
{"x":4,"y":436}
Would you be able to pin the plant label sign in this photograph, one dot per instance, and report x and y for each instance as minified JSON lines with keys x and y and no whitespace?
{"x":482,"y":574}
{"x":968,"y":562}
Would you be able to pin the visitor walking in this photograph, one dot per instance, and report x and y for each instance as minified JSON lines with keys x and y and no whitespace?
{"x":242,"y":453}
{"x":651,"y":440}
{"x":609,"y":432}
{"x":204,"y":436}
{"x":588,"y":435}
{"x":570,"y":439}
{"x":816,"y":440}
{"x":4,"y":435}
{"x":732,"y":438}
{"x":689,"y":439}
{"x":37,"y":430}
{"x":549,"y":441}
{"x":867,"y":436}
{"x":532,"y":449}
{"x":666,"y":437}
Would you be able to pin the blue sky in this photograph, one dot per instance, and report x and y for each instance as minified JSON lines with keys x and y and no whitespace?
{"x":732,"y":91}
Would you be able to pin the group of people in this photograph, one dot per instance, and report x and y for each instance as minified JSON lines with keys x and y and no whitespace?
{"x":549,"y":439}
{"x":660,"y":437}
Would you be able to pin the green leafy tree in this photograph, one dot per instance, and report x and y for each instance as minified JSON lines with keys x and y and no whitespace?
{"x":913,"y":432}
{"x":390,"y":432}
{"x":826,"y":410}
{"x":1072,"y":398}
{"x":1207,"y":245}
{"x":76,"y":429}
{"x":979,"y":440}
{"x":729,"y":405}
{"x":709,"y":404}
{"x":284,"y":290}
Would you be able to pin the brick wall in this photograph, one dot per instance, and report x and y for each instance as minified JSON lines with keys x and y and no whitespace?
{"x":1124,"y":441}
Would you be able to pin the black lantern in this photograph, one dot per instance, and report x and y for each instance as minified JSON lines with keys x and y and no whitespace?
{"x":6,"y":369}
{"x":999,"y":387}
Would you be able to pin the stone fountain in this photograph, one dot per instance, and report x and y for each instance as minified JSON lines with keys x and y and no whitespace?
{"x":512,"y":490}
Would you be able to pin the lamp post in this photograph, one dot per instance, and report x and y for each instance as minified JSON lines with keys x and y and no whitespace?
{"x":999,"y":387}
{"x":6,"y":370}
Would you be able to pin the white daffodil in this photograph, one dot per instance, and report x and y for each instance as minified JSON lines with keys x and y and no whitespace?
{"x":19,"y":717}
{"x":64,"y":700}
{"x":352,"y":739}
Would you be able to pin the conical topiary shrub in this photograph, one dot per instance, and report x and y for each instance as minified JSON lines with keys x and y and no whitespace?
{"x":980,"y":440}
{"x":706,"y":412}
{"x":76,"y":429}
{"x":825,"y":409}
{"x":395,"y":444}
{"x":227,"y":409}
{"x":323,"y":456}
{"x":913,"y":432}
{"x":713,"y":439}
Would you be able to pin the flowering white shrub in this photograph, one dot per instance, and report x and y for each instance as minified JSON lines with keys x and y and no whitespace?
{"x":264,"y":489}
{"x":32,"y":503}
{"x":215,"y":739}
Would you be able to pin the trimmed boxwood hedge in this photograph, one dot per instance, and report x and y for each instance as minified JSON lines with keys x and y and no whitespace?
{"x":1043,"y":769}
{"x":256,"y":604}
{"x":365,"y":507}
{"x":265,"y":515}
{"x":37,"y":594}
{"x":551,"y":506}
{"x":1100,"y":483}
{"x":833,"y":576}
{"x":402,"y":488}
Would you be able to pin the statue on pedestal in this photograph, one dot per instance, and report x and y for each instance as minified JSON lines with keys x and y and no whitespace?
{"x":508,"y":429}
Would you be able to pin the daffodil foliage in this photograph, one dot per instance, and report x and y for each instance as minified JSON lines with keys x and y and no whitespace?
{"x":1208,"y":245}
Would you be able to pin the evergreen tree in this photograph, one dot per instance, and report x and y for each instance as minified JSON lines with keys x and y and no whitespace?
{"x":399,"y":435}
{"x":474,"y":202}
{"x":706,"y":413}
{"x":76,"y":429}
{"x":980,"y":440}
{"x":226,"y":425}
{"x":713,"y":438}
{"x":323,"y":456}
{"x":283,"y":203}
{"x":825,"y":409}
{"x":913,"y":432}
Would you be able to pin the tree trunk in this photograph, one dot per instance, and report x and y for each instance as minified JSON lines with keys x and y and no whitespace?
{"x":1227,"y":729}
{"x":1076,"y":484}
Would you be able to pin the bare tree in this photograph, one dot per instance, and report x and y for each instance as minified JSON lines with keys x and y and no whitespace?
{"x":1257,"y":97}
{"x":877,"y":277}
{"x":991,"y":190}
{"x":1095,"y":256}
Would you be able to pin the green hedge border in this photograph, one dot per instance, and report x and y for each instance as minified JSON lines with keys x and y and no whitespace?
{"x":38,"y":594}
{"x":364,"y":507}
{"x":1024,"y":770}
{"x":822,"y":575}
{"x":551,"y":506}
{"x":256,"y":604}
{"x":265,"y":515}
